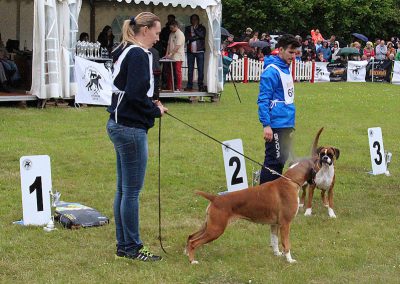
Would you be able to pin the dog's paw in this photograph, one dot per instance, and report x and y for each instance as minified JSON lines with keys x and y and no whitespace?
{"x":185,"y":252}
{"x":308,"y":212}
{"x":331,"y":213}
{"x":194,"y":262}
{"x":278,"y":253}
{"x":291,"y":260}
{"x":301,"y":205}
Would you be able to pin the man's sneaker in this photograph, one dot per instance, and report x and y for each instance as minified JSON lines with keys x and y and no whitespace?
{"x":145,"y":255}
{"x":120,"y":253}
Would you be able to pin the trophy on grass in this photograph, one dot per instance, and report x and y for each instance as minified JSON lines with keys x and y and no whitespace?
{"x":388,"y":160}
{"x":54,"y":199}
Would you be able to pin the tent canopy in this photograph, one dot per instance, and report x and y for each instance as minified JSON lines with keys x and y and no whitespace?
{"x":192,"y":3}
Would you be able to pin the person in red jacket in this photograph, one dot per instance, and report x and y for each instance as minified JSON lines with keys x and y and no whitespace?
{"x":317,"y":36}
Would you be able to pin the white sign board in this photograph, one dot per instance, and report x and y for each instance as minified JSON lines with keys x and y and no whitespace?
{"x":36,"y":187}
{"x":378,"y":159}
{"x":235,"y":166}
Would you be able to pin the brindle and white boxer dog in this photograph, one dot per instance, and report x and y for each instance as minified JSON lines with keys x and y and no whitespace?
{"x":325,"y":177}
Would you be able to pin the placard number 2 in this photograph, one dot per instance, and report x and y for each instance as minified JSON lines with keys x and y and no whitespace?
{"x":378,"y":151}
{"x":37,"y":186}
{"x":235,"y":178}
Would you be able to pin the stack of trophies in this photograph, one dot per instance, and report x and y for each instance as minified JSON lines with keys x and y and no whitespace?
{"x":90,"y":50}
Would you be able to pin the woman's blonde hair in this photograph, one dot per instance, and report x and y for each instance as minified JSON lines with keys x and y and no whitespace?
{"x":133,"y":26}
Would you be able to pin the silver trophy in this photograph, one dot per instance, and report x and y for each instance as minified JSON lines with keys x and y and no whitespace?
{"x":54,"y":199}
{"x":388,"y":156}
{"x":255,"y":179}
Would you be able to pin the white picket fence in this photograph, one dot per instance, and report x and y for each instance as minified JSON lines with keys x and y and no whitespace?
{"x":303,"y":70}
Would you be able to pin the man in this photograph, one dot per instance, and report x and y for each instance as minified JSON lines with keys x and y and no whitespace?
{"x":161,"y":46}
{"x":276,"y":110}
{"x":381,"y":50}
{"x":195,"y":35}
{"x":176,"y":51}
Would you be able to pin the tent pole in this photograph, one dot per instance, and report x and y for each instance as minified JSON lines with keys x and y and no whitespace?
{"x":18,"y":23}
{"x":92,"y":21}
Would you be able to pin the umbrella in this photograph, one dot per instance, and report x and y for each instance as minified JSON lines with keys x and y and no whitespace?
{"x":261,"y":44}
{"x":345,"y":51}
{"x":224,"y":32}
{"x":360,"y":36}
{"x":238,"y":44}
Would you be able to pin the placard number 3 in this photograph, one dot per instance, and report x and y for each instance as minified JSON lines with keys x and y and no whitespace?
{"x":235,"y":178}
{"x":37,"y":186}
{"x":378,"y":151}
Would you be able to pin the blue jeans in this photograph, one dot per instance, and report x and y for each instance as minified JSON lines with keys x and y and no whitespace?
{"x":131,"y":148}
{"x":199,"y":57}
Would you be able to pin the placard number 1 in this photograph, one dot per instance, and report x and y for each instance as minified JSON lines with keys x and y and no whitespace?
{"x":37,"y":186}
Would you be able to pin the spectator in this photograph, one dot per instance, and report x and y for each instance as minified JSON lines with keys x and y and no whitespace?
{"x":84,"y":37}
{"x":241,"y":53}
{"x":318,"y":45}
{"x":390,"y":50}
{"x":156,"y":73}
{"x":10,"y":68}
{"x":332,"y":41}
{"x":195,"y":35}
{"x":320,"y":57}
{"x":381,"y":50}
{"x":161,"y":46}
{"x":263,"y":37}
{"x":176,"y":51}
{"x":247,"y":35}
{"x":377,"y":42}
{"x":316,"y":36}
{"x":369,"y":51}
{"x":326,"y":51}
{"x":308,"y":51}
{"x":335,"y":50}
{"x":106,"y":38}
{"x":3,"y":80}
{"x":254,"y":38}
{"x":397,"y":58}
{"x":298,"y":49}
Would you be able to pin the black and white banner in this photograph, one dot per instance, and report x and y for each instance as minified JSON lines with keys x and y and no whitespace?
{"x":338,"y":72}
{"x":396,"y":73}
{"x":321,"y":72}
{"x":356,"y":71}
{"x":94,"y":82}
{"x":379,"y":70}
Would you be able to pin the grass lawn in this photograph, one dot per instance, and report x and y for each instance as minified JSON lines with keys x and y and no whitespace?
{"x":360,"y":246}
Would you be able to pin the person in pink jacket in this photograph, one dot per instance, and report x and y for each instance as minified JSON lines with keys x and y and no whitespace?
{"x":317,"y":36}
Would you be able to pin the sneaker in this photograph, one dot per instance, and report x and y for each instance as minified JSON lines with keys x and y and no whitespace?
{"x":177,"y":91}
{"x":120,"y":254}
{"x":145,"y":255}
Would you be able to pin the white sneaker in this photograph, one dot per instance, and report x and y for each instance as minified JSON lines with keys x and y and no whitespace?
{"x":177,"y":91}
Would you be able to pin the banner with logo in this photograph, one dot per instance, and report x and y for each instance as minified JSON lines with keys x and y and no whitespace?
{"x":337,"y":72}
{"x":396,"y":73}
{"x":321,"y":72}
{"x":94,"y":82}
{"x":356,"y":71}
{"x":380,"y":69}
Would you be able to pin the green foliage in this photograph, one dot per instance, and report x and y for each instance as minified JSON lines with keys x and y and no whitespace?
{"x":342,"y":17}
{"x":360,"y":246}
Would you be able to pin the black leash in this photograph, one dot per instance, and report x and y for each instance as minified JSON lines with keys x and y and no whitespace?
{"x":227,"y":146}
{"x":159,"y":185}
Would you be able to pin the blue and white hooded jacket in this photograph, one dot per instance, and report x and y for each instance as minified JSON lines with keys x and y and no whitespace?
{"x":278,"y":115}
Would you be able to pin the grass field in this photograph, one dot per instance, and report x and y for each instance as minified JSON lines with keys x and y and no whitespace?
{"x":360,"y":246}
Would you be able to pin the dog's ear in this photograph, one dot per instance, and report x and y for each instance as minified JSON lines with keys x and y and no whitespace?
{"x":337,"y":153}
{"x":318,"y":150}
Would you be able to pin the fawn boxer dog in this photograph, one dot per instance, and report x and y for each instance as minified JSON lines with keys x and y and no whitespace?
{"x":325,"y":176}
{"x":275,"y":203}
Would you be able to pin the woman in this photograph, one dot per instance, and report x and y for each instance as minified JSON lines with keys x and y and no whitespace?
{"x":369,"y":51}
{"x":132,"y":114}
{"x":335,"y":49}
{"x":106,"y":38}
{"x":326,"y":51}
{"x":391,"y":51}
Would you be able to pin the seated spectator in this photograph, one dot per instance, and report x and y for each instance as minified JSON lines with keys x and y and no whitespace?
{"x":241,"y":53}
{"x":326,"y":51}
{"x":84,"y":37}
{"x":381,"y":50}
{"x":316,"y":36}
{"x":335,"y":50}
{"x":254,"y":38}
{"x":247,"y":35}
{"x":332,"y":41}
{"x":299,"y":49}
{"x":308,"y":51}
{"x":318,"y":45}
{"x":10,"y":68}
{"x":390,"y":50}
{"x":321,"y":58}
{"x":368,"y":51}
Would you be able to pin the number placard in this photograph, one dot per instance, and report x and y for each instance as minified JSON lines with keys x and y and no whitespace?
{"x":35,"y":187}
{"x":235,"y":166}
{"x":377,"y":151}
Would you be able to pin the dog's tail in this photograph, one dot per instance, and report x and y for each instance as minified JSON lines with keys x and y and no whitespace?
{"x":206,"y":195}
{"x":315,"y":144}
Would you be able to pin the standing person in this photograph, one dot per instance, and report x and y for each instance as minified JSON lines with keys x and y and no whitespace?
{"x":381,"y":50}
{"x":195,"y":35}
{"x":106,"y":38}
{"x":368,"y":51}
{"x":276,"y":110}
{"x":132,"y":114}
{"x":176,"y":51}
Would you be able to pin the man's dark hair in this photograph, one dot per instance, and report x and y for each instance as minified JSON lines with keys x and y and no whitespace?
{"x":286,"y":41}
{"x":195,"y":16}
{"x":174,"y":24}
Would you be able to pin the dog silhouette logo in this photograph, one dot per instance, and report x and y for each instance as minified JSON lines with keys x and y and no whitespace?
{"x":27,"y":164}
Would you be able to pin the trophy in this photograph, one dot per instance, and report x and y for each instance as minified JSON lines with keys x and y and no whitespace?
{"x":255,"y":180}
{"x":97,"y":49}
{"x":77,"y":47}
{"x":388,"y":156}
{"x":55,"y":199}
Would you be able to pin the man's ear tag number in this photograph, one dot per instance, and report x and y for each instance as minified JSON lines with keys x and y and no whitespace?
{"x":235,"y":166}
{"x":377,"y":151}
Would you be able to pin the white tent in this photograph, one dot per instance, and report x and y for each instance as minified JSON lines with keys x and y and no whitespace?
{"x":55,"y":35}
